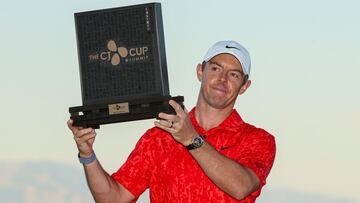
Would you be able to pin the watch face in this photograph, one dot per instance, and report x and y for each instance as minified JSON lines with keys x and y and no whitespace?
{"x":197,"y":141}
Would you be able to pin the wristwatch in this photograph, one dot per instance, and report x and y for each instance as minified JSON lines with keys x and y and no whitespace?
{"x":197,"y":142}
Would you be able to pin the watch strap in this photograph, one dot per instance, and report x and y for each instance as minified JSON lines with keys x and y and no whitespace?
{"x":190,"y":147}
{"x":87,"y":161}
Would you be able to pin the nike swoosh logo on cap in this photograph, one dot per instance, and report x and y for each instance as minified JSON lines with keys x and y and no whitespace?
{"x":230,"y":47}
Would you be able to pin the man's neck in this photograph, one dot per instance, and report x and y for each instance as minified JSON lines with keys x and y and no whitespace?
{"x":209,"y":117}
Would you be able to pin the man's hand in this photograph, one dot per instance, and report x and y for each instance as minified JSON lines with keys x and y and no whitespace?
{"x":179,"y":125}
{"x":84,"y":139}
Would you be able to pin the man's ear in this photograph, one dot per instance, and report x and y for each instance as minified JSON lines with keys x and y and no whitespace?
{"x":244,"y":87}
{"x":199,"y":71}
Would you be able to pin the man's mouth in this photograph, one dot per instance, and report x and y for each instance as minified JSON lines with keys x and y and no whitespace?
{"x":220,"y":88}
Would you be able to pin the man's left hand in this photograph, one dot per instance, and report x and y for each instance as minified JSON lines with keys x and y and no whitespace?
{"x":179,"y":125}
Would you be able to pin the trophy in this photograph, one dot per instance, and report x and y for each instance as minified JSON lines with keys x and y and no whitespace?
{"x":122,"y":65}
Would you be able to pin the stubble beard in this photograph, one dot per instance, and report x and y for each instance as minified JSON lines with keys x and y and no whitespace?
{"x":216,"y":101}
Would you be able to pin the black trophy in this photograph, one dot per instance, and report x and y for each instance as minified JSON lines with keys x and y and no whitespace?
{"x":123,"y":67}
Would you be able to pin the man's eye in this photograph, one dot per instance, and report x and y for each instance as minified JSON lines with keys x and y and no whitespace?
{"x":235,"y":75}
{"x":214,"y":68}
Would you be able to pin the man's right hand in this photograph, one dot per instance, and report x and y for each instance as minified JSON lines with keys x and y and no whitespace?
{"x":84,"y":138}
{"x":102,"y":186}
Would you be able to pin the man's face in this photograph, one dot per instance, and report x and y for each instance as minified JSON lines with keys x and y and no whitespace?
{"x":221,"y":81}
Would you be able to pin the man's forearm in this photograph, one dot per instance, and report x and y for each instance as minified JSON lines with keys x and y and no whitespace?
{"x":228,"y":175}
{"x":102,"y":186}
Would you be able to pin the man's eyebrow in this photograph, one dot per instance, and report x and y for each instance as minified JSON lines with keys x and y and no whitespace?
{"x":237,"y":70}
{"x":218,"y":64}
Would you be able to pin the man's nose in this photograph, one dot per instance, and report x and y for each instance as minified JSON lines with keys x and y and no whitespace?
{"x":222,"y":76}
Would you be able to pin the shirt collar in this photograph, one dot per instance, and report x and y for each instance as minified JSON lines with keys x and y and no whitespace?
{"x":232,"y":123}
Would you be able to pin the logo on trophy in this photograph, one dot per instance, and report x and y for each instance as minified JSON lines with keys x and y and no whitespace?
{"x":114,"y":54}
{"x":122,"y":65}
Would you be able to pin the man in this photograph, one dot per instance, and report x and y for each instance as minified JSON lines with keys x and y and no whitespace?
{"x":207,"y":155}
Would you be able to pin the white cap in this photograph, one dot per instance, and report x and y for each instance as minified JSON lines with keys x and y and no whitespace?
{"x":233,"y":48}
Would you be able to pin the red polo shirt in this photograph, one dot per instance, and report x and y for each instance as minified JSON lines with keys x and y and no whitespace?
{"x":165,"y":166}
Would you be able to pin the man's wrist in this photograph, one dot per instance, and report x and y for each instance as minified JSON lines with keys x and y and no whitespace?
{"x":197,"y":142}
{"x":190,"y":139}
{"x":88,"y":159}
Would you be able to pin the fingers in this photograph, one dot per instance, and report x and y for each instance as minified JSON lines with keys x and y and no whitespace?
{"x":73,"y":128}
{"x":85,"y":137}
{"x":168,"y":117}
{"x":83,"y":133}
{"x":80,"y":132}
{"x":176,"y":107}
{"x":70,"y":124}
{"x":167,"y":121}
{"x":163,"y":124}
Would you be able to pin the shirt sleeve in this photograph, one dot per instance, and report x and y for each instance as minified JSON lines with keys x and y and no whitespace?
{"x":257,"y":152}
{"x":134,"y":174}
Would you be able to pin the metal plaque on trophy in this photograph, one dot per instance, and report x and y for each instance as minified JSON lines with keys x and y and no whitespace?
{"x":123,"y":68}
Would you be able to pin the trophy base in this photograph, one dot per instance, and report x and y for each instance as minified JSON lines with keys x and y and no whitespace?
{"x":98,"y":114}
